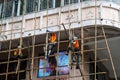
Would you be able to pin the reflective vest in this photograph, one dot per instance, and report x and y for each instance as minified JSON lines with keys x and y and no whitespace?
{"x":16,"y":52}
{"x":53,"y":37}
{"x":75,"y":44}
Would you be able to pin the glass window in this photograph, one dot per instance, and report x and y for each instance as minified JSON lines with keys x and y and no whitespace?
{"x":16,"y":7}
{"x":116,"y":1}
{"x":71,"y":1}
{"x":44,"y":4}
{"x":1,"y":4}
{"x":57,"y":3}
{"x":74,"y":1}
{"x":29,"y":6}
{"x":50,"y":3}
{"x":8,"y":9}
{"x":86,"y":0}
{"x":21,"y":7}
{"x":66,"y":2}
{"x":9,"y":6}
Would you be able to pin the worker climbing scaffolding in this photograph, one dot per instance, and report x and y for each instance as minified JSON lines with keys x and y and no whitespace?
{"x":51,"y":44}
{"x":74,"y":47}
{"x":17,"y":54}
{"x":51,"y":59}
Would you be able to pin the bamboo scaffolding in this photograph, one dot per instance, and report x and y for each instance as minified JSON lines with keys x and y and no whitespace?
{"x":58,"y":41}
{"x":109,"y":52}
{"x":10,"y":44}
{"x":82,"y":43}
{"x":95,"y":52}
{"x":33,"y":43}
{"x":83,"y":51}
{"x":70,"y":37}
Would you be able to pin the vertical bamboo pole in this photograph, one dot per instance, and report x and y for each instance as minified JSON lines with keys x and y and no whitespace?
{"x":70,"y":37}
{"x":20,"y":46}
{"x":82,"y":45}
{"x":46,"y":44}
{"x":33,"y":42}
{"x":59,"y":22}
{"x":10,"y":43}
{"x":95,"y":46}
{"x":4,"y":6}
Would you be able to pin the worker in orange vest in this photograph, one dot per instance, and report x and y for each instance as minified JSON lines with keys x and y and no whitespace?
{"x":75,"y":44}
{"x":74,"y":47}
{"x":51,"y":44}
{"x":52,"y":59}
{"x":52,"y":40}
{"x":17,"y":53}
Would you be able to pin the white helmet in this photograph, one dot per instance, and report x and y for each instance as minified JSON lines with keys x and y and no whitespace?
{"x":75,"y":38}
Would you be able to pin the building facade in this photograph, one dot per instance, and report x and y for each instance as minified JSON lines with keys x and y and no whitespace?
{"x":26,"y":25}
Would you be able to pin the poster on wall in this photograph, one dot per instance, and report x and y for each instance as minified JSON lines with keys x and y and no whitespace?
{"x":49,"y":67}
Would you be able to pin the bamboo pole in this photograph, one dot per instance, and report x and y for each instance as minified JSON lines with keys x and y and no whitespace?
{"x":59,"y":21}
{"x":95,"y":46}
{"x":33,"y":43}
{"x":82,"y":45}
{"x":10,"y":43}
{"x":109,"y":52}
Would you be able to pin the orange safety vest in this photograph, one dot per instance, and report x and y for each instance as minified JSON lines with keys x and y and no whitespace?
{"x":75,"y":44}
{"x":53,"y":37}
{"x":16,"y":52}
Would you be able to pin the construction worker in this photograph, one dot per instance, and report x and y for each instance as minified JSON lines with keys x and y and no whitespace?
{"x":75,"y":44}
{"x":52,"y":38}
{"x":52,"y":60}
{"x":51,"y":44}
{"x":74,"y":47}
{"x":17,"y":54}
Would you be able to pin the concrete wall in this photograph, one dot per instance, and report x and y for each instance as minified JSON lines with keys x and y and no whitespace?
{"x":108,"y":12}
